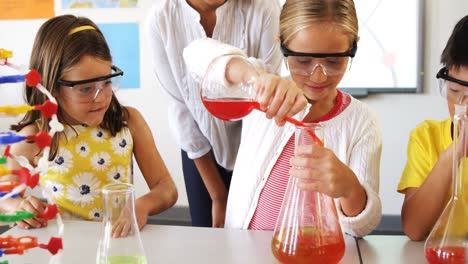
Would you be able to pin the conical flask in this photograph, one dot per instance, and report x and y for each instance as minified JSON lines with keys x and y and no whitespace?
{"x":308,"y":228}
{"x":448,"y":238}
{"x":118,"y":216}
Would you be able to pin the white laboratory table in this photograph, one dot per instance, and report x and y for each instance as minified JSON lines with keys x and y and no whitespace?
{"x":163,"y":244}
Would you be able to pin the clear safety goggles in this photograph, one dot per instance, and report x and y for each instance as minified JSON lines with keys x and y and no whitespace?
{"x":306,"y":64}
{"x":451,"y":88}
{"x":86,"y":91}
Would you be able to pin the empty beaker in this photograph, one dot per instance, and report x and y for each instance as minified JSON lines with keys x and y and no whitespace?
{"x":448,"y":238}
{"x":120,"y":242}
{"x":308,"y":229}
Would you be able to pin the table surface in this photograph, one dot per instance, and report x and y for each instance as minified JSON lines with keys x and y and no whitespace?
{"x":391,"y":249}
{"x":163,"y":244}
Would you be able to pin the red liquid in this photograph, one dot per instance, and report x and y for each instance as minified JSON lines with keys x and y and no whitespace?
{"x":306,"y":251}
{"x":230,"y":109}
{"x":446,"y":255}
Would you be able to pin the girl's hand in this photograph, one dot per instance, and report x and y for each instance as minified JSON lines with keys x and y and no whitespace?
{"x":323,"y":171}
{"x":124,"y":226}
{"x":279,"y":97}
{"x":33,"y":205}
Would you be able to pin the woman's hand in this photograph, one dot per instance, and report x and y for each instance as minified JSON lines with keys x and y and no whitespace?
{"x":278,"y":97}
{"x":218,"y":212}
{"x":33,"y":205}
{"x":323,"y":171}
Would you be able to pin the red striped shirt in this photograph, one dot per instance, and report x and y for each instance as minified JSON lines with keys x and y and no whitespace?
{"x":271,"y":196}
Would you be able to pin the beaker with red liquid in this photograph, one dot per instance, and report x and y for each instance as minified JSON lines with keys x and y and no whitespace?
{"x":233,"y":101}
{"x":448,"y":238}
{"x":308,"y":229}
{"x":229,"y":101}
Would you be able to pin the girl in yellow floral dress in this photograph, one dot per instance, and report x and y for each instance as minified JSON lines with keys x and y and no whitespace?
{"x":100,"y":137}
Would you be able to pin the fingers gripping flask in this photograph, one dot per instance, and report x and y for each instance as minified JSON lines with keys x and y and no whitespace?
{"x":448,"y":238}
{"x":120,"y":242}
{"x":308,"y":229}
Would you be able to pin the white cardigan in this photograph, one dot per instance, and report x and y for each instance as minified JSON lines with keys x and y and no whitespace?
{"x":354,"y":136}
{"x":250,"y":25}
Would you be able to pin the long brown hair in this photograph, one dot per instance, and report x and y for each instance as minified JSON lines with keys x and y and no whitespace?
{"x":54,"y":52}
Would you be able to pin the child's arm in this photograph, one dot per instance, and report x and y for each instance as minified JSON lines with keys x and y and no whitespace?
{"x":422,"y":206}
{"x":30,"y":203}
{"x":163,"y":193}
{"x":277,"y":96}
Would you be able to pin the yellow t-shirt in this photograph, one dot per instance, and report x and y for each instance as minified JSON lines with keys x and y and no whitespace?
{"x":427,"y":141}
{"x":86,"y":161}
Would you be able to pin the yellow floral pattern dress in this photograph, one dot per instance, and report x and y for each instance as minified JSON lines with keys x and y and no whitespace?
{"x":88,"y":158}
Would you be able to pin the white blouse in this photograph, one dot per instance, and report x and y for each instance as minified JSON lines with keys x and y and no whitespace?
{"x":250,"y":25}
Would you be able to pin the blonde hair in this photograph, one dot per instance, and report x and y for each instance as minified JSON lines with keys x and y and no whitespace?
{"x":297,"y":15}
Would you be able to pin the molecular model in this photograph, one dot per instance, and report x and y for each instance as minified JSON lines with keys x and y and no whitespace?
{"x":28,"y":175}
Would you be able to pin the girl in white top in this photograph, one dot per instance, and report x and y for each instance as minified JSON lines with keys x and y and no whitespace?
{"x":317,"y":38}
{"x":250,"y":25}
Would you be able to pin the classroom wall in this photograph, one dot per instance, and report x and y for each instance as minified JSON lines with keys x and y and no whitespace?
{"x":398,"y":113}
{"x":401,"y":113}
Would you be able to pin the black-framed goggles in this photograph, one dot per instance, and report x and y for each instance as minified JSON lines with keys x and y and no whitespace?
{"x":86,"y":91}
{"x":116,"y":72}
{"x":443,"y":74}
{"x":350,"y":53}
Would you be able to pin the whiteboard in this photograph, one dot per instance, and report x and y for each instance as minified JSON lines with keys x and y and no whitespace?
{"x":390,"y":51}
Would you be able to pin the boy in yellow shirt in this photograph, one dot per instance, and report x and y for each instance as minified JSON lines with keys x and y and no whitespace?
{"x":427,"y":177}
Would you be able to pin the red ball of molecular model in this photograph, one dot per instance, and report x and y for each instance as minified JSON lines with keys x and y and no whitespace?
{"x":28,"y":175}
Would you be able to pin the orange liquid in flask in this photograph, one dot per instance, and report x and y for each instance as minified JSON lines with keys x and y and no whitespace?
{"x":307,"y":251}
{"x":446,"y":255}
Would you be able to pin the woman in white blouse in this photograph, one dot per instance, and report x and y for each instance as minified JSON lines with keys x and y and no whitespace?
{"x":319,"y":39}
{"x":209,"y":146}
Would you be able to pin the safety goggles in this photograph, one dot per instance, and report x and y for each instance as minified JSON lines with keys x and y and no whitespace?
{"x":450,"y":87}
{"x":305,"y":64}
{"x":86,"y":91}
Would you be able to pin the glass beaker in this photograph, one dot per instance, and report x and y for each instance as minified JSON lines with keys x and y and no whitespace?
{"x":447,"y":239}
{"x":308,"y":229}
{"x":229,"y":101}
{"x":119,"y":214}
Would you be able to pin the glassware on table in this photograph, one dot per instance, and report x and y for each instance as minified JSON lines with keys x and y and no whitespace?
{"x":119,"y":212}
{"x":308,"y":229}
{"x":448,"y":238}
